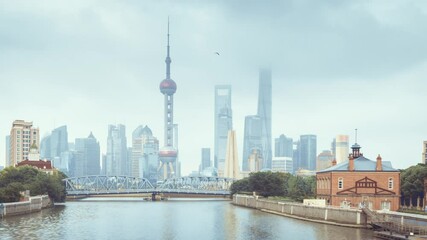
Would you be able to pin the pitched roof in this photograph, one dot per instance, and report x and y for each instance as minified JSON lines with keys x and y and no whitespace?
{"x":38,"y":164}
{"x":361,"y":164}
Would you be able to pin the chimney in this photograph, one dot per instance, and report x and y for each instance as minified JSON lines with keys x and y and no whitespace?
{"x":351,"y":163}
{"x":334,"y":162}
{"x":379,"y":166}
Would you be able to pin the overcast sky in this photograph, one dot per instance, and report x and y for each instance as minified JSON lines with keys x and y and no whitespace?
{"x":336,"y":66}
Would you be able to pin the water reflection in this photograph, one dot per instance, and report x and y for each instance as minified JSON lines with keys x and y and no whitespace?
{"x":178,"y":219}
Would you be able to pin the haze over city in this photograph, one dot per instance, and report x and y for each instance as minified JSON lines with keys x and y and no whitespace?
{"x":336,"y":66}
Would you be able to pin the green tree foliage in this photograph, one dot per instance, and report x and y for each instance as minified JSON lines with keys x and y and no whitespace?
{"x":412,"y":182}
{"x":13,"y":180}
{"x":276,"y":184}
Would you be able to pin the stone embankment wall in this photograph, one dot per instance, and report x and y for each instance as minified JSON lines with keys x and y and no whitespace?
{"x":332,"y":215}
{"x":33,"y":204}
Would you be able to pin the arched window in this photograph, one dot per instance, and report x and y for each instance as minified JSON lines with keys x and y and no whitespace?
{"x":390,"y":183}
{"x":340,"y":183}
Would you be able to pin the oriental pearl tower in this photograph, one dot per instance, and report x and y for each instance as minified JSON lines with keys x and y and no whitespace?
{"x":168,"y":154}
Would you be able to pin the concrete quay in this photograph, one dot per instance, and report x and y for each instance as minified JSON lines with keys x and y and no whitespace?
{"x":327,"y":215}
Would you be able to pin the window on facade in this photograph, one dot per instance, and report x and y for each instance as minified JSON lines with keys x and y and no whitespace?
{"x":390,"y":183}
{"x":340,"y":183}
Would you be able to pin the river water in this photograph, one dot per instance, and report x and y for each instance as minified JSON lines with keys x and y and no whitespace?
{"x":110,"y":218}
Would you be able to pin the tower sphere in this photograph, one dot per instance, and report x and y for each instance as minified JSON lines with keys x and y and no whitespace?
{"x":168,"y":86}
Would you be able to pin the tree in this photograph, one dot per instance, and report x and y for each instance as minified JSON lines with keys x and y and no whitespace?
{"x":412,"y":182}
{"x":14,"y":180}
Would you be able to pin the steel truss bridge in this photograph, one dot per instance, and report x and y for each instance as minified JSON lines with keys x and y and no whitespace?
{"x":108,"y":185}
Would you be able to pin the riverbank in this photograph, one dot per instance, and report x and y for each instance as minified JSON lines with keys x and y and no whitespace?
{"x":327,"y":215}
{"x":34,"y":204}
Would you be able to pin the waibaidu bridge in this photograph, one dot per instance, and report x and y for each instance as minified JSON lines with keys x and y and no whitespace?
{"x":97,"y":185}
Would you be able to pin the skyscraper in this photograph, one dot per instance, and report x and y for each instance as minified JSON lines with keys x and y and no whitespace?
{"x":168,"y":153}
{"x":87,"y":156}
{"x":308,"y":152}
{"x":264,"y":112}
{"x":145,"y":150}
{"x":223,"y":123}
{"x":341,"y":148}
{"x":8,"y":150}
{"x":117,"y":163}
{"x":231,"y":166}
{"x":22,"y":136}
{"x":58,"y":141}
{"x":45,"y":147}
{"x":283,"y":147}
{"x":252,"y":140}
{"x":206,"y":159}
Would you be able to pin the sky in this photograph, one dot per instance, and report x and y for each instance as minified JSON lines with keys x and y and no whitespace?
{"x":336,"y":66}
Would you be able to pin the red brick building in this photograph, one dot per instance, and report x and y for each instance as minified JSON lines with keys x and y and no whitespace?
{"x":358,"y":181}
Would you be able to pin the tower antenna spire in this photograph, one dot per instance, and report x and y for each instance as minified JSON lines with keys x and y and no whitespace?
{"x":355,"y":130}
{"x":168,"y":59}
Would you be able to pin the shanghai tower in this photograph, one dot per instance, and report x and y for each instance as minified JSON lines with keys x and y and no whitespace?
{"x":264,"y":112}
{"x":168,"y":154}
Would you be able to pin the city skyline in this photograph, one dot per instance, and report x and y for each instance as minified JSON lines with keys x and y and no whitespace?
{"x":330,"y":77}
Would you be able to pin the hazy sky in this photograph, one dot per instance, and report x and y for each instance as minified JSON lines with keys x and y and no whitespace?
{"x":336,"y":66}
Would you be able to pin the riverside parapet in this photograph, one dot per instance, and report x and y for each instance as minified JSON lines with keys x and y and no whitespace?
{"x":34,"y":204}
{"x":328,"y":215}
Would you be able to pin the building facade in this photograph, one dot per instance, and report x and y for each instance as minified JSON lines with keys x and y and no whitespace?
{"x":324,"y":160}
{"x":22,"y":136}
{"x":252,"y":140}
{"x":264,"y":112}
{"x":283,"y":147}
{"x":206,"y":159}
{"x":223,"y":121}
{"x":86,"y":156}
{"x":341,"y":148}
{"x":307,"y":152}
{"x":8,"y":150}
{"x":117,"y":163}
{"x":282,"y":164}
{"x":231,"y":168}
{"x":360,"y":182}
{"x":424,"y":155}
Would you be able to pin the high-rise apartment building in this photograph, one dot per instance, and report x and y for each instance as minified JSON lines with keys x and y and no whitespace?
{"x":206,"y":159}
{"x":252,"y":140}
{"x":284,"y":147}
{"x":117,"y":161}
{"x":22,"y":136}
{"x":424,"y":159}
{"x":8,"y":150}
{"x":341,"y":148}
{"x":87,"y":156}
{"x":307,"y":152}
{"x":223,"y":123}
{"x":264,"y":112}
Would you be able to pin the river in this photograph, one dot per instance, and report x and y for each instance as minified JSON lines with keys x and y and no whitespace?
{"x":127,"y":218}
